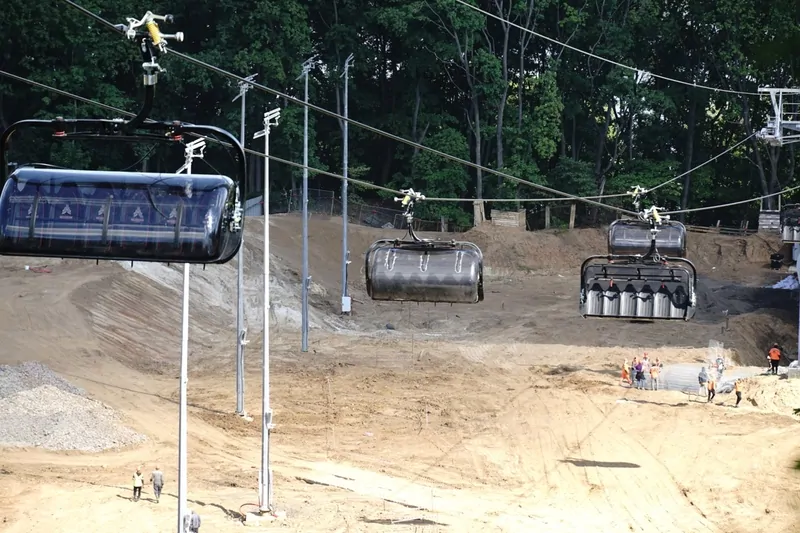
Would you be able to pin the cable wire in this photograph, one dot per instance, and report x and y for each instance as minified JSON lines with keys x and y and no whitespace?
{"x":595,"y":56}
{"x":362,"y":125}
{"x":367,"y":184}
{"x":740,"y":202}
{"x":701,"y":165}
{"x":223,"y":143}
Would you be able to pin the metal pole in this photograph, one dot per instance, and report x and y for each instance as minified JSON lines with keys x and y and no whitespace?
{"x":304,"y":343}
{"x":345,"y":150}
{"x":190,"y":153}
{"x":265,"y":475}
{"x":241,"y":330}
{"x":182,"y":432}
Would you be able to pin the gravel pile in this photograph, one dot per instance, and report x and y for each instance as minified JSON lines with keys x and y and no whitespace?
{"x":40,"y":409}
{"x":29,"y":375}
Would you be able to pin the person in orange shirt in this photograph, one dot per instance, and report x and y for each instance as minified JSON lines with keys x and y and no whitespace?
{"x":738,"y":392}
{"x":712,"y":388}
{"x":626,"y":373}
{"x":654,"y":377}
{"x":774,"y":358}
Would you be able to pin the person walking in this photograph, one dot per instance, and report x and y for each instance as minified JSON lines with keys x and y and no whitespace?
{"x":138,"y":482}
{"x":774,"y":357}
{"x":626,"y":373}
{"x":702,"y":378}
{"x":157,"y":479}
{"x":191,"y":522}
{"x":738,"y":392}
{"x":712,"y":389}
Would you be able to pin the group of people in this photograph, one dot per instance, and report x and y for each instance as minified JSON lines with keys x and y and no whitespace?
{"x":192,"y":519}
{"x":637,"y":372}
{"x":708,"y":385}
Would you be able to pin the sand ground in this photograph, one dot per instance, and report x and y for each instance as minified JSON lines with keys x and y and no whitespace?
{"x":503,"y":416}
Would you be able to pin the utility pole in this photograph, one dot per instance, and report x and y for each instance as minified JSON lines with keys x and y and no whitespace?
{"x":194,"y":150}
{"x":265,"y":477}
{"x":241,"y":329}
{"x":345,"y":150}
{"x":307,"y":66}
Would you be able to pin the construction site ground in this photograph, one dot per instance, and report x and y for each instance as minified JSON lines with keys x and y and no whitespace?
{"x":507,"y":415}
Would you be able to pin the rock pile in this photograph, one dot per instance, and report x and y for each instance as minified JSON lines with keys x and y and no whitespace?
{"x":40,"y":409}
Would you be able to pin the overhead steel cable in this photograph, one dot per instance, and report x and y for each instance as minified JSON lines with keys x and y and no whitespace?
{"x":367,"y":127}
{"x":365,"y":184}
{"x":601,"y":58}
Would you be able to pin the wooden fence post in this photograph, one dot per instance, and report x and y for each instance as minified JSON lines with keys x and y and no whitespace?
{"x":547,"y":216}
{"x":572,"y":208}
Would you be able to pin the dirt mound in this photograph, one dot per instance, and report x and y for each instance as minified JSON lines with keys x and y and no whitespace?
{"x":508,"y":252}
{"x":556,"y":251}
{"x":732,"y":257}
{"x":768,"y":393}
{"x":755,"y":332}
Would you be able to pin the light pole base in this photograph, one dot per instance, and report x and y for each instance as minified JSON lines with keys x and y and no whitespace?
{"x":264,"y":517}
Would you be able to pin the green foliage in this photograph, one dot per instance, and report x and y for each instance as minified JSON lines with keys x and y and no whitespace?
{"x":427,"y":70}
{"x":439,"y":178}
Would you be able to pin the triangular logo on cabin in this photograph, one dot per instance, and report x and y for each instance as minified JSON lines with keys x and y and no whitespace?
{"x":66,"y":212}
{"x":137,"y":215}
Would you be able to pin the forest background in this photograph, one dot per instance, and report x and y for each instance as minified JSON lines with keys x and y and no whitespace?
{"x":443,"y":75}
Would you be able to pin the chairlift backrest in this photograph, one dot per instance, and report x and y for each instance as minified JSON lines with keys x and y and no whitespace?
{"x":790,"y":215}
{"x":634,"y":237}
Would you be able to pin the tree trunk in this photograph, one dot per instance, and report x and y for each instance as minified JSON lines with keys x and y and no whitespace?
{"x":599,"y":174}
{"x":762,"y":177}
{"x":689,"y":152}
{"x":476,"y":120}
{"x":501,"y":103}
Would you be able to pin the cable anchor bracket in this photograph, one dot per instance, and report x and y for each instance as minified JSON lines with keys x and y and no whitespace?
{"x":637,"y":192}
{"x":652,"y":215}
{"x":408,"y":201}
{"x":153,"y":43}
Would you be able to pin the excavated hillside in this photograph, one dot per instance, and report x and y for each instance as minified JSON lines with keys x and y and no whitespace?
{"x":448,"y":416}
{"x":531,"y":294}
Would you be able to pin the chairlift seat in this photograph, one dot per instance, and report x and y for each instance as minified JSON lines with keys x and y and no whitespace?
{"x":639,"y":289}
{"x":790,"y":223}
{"x":424,"y":271}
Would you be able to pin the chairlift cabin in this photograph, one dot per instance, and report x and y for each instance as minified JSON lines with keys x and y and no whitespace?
{"x":48,"y":211}
{"x":790,"y":223}
{"x":634,"y":237}
{"x":423,"y":270}
{"x":107,"y":215}
{"x":646,"y":275}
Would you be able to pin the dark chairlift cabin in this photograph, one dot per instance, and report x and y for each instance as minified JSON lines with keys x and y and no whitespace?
{"x":127,"y":216}
{"x":47,"y":211}
{"x":423,"y":270}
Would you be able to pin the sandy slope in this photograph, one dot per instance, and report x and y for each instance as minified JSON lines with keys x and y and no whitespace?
{"x":504,"y":416}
